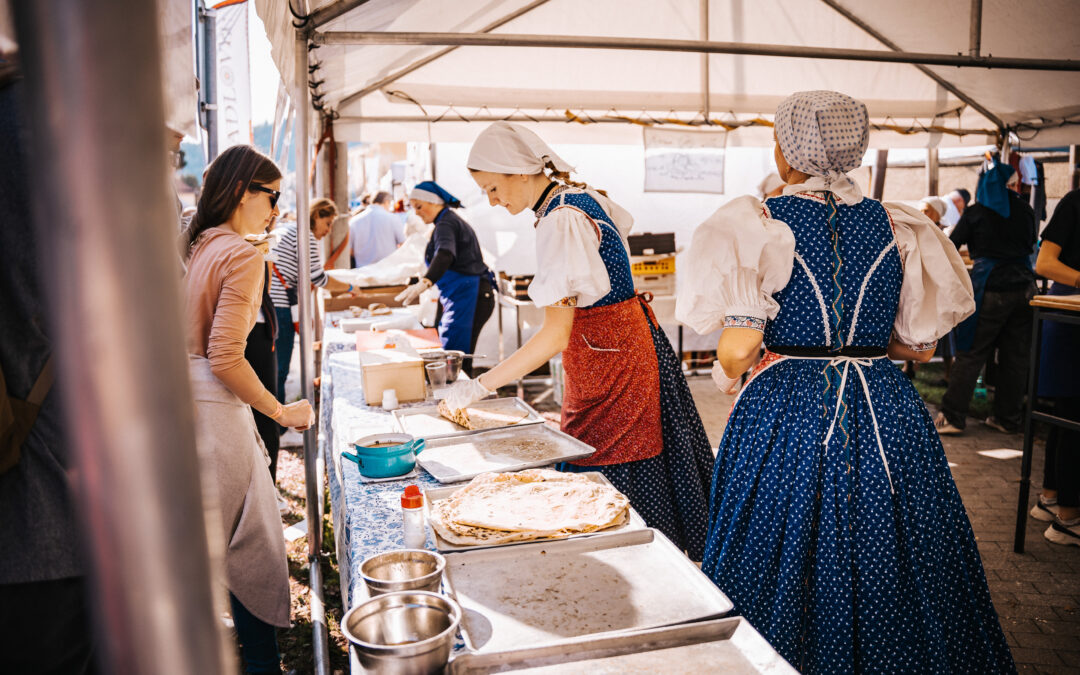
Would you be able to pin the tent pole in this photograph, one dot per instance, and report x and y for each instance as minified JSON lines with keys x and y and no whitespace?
{"x":328,"y":13}
{"x":397,"y":75}
{"x":106,"y":219}
{"x":209,"y":103}
{"x":686,"y":46}
{"x":1074,"y":173}
{"x":881,"y":164}
{"x":340,"y":176}
{"x":705,"y":106}
{"x":945,"y":84}
{"x":307,"y":358}
{"x":931,"y":172}
{"x":975,"y":39}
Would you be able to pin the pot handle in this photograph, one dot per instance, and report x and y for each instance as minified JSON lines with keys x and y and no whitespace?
{"x":418,"y":445}
{"x":352,"y":457}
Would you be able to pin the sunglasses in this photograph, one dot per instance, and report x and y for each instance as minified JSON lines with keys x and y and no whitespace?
{"x":274,"y":194}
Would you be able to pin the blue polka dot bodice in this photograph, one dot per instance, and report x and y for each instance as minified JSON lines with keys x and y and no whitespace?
{"x":845,"y":281}
{"x":612,"y":251}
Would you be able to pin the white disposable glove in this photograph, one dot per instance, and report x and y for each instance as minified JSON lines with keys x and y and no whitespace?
{"x":463,"y":392}
{"x":728,"y":385}
{"x":413,"y":292}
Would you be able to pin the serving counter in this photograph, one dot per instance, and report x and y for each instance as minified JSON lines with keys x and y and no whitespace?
{"x":367,"y":520}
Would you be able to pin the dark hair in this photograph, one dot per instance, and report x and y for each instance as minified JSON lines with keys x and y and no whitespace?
{"x":321,"y":208}
{"x":964,"y":194}
{"x":563,"y":177}
{"x":381,"y":197}
{"x":233,"y":171}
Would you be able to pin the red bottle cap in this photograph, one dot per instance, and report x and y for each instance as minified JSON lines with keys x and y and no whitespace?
{"x":412,"y":498}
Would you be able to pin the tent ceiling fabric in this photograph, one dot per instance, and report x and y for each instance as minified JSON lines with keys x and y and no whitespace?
{"x":546,"y":82}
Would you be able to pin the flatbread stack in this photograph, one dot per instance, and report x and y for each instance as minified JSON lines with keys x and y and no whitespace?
{"x":500,"y":508}
{"x":481,"y":418}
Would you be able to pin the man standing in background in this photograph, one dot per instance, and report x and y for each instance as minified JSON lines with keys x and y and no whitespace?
{"x":376,"y":232}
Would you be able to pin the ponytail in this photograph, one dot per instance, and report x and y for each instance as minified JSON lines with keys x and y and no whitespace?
{"x":563,"y":177}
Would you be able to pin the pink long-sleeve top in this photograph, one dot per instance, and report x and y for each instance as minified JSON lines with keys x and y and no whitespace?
{"x":223,"y":290}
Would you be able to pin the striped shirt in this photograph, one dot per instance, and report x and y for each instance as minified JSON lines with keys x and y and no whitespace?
{"x":287,"y":262}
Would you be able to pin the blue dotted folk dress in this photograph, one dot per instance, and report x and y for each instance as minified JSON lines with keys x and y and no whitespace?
{"x":835,"y":526}
{"x":670,"y":490}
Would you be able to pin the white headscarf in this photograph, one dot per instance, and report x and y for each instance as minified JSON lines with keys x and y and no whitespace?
{"x":824,"y":134}
{"x":509,"y":148}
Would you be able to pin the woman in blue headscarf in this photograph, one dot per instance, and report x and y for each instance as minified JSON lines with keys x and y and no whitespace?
{"x":455,"y":263}
{"x":835,"y":526}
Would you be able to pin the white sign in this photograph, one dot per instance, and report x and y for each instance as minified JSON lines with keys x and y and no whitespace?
{"x":684,"y":161}
{"x":233,"y":77}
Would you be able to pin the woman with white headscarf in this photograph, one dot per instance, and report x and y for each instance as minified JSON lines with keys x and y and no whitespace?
{"x":625,"y":394}
{"x":835,"y":526}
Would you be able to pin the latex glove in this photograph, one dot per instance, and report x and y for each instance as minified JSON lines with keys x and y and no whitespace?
{"x":413,"y":292}
{"x":724,"y":383}
{"x":463,"y":392}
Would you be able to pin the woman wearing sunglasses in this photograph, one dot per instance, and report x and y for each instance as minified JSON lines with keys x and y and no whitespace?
{"x":223,"y":293}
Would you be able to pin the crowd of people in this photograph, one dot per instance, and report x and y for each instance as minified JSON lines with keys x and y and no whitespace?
{"x":829,"y":515}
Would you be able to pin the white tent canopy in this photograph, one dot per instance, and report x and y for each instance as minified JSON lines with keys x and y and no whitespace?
{"x":378,"y":92}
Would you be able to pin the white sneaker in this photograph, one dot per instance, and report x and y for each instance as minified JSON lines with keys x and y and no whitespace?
{"x":1064,"y":532}
{"x":944,"y":427}
{"x":1045,"y":509}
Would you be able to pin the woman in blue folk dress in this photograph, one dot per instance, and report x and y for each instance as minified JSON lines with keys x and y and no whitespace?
{"x":835,"y":526}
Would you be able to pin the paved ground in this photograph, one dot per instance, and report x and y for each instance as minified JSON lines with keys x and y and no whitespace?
{"x":1036,"y":593}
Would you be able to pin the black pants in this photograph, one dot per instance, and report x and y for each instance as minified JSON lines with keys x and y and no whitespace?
{"x":260,"y":354}
{"x":485,"y":305}
{"x":1062,"y":469}
{"x":45,"y":629}
{"x":1004,"y":324}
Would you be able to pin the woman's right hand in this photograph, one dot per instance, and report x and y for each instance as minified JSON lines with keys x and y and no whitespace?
{"x":298,"y":415}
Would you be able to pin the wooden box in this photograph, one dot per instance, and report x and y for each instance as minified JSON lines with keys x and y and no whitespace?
{"x":384,"y":369}
{"x":362,"y":297}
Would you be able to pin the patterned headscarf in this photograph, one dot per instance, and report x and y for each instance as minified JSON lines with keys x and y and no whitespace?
{"x":825,"y":134}
{"x":510,"y":148}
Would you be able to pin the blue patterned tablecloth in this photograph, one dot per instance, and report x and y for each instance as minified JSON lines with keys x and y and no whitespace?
{"x":367,"y":516}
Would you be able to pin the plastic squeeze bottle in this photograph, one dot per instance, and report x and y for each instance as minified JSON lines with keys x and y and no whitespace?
{"x":412,"y":515}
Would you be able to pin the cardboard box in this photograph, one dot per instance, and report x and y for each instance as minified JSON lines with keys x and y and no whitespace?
{"x":362,"y":297}
{"x":383,"y":369}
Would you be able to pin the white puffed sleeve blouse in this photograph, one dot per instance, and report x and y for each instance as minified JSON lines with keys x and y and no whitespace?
{"x":739,"y":258}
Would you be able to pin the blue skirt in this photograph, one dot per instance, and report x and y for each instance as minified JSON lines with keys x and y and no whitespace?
{"x":670,"y":491}
{"x":838,"y":573}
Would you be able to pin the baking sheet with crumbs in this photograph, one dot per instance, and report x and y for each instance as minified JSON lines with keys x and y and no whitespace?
{"x":426,"y":422}
{"x":460,"y":458}
{"x":531,"y":594}
{"x":719,"y":646}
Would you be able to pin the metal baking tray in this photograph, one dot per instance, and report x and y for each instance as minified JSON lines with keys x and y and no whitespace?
{"x":718,"y":646}
{"x":426,"y":422}
{"x":538,"y":593}
{"x":458,"y":458}
{"x":432,"y":495}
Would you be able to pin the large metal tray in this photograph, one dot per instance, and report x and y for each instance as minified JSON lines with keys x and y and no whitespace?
{"x":459,"y":458}
{"x":718,"y":646}
{"x":426,"y":422}
{"x":546,"y":592}
{"x":432,"y":495}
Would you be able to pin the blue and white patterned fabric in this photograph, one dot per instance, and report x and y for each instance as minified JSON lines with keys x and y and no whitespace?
{"x":670,"y":490}
{"x":823,"y":133}
{"x":835,"y":526}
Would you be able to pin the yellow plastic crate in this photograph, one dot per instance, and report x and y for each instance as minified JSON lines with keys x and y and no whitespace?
{"x":653,"y":267}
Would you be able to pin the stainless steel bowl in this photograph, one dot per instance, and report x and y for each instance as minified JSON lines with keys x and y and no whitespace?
{"x":453,"y":364}
{"x":403,"y":633}
{"x":404,"y":570}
